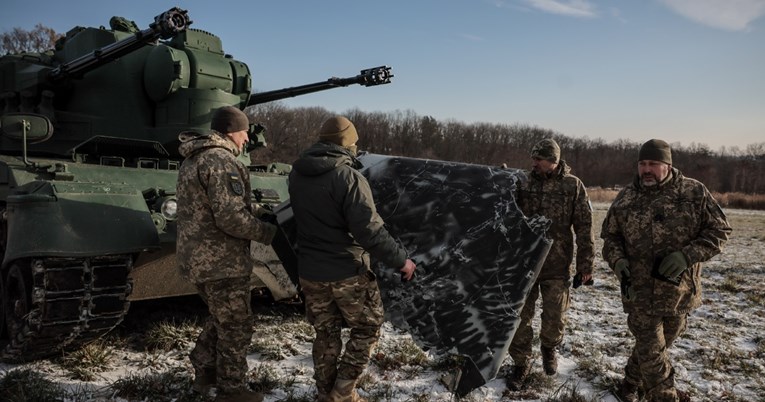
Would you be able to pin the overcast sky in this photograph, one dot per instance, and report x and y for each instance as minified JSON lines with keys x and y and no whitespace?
{"x":681,"y":70}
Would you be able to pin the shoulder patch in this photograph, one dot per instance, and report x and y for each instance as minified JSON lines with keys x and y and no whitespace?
{"x":235,"y":183}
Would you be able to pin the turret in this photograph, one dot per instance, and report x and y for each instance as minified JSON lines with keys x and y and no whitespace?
{"x":121,"y":96}
{"x":165,"y":26}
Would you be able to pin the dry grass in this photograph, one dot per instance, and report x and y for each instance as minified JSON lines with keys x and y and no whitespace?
{"x":172,"y":385}
{"x":726,"y":200}
{"x":168,"y":335}
{"x":740,"y":200}
{"x":84,"y":363}
{"x":27,"y":384}
{"x":399,"y":355}
{"x":599,"y":194}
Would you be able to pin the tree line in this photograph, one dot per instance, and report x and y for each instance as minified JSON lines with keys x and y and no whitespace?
{"x":36,"y":40}
{"x":597,"y":162}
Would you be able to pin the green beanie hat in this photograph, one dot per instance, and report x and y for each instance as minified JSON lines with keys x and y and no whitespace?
{"x":546,"y":149}
{"x":338,"y":130}
{"x":229,"y":119}
{"x":655,"y":150}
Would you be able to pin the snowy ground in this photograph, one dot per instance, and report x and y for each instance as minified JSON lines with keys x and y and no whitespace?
{"x":721,"y":357}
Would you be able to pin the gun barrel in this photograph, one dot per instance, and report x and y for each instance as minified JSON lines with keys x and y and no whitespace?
{"x":165,"y":26}
{"x":369,"y":77}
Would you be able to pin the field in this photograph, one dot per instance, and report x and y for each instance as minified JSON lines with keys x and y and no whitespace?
{"x":721,"y":357}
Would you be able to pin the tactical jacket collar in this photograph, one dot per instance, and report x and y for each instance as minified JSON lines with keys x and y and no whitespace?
{"x":674,"y":177}
{"x":193,"y":142}
{"x":559,"y":172}
{"x":322,"y":157}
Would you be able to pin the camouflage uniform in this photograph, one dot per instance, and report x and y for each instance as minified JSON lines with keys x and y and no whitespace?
{"x":338,"y":226}
{"x":563,"y":199}
{"x":216,"y":223}
{"x":644,"y":224}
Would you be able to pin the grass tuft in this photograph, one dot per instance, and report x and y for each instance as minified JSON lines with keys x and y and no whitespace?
{"x":590,"y":368}
{"x":167,"y":336}
{"x":24,"y":385}
{"x":173,"y":385}
{"x":277,"y":342}
{"x":264,"y":378}
{"x":83,"y":363}
{"x":400,"y":354}
{"x":568,"y":392}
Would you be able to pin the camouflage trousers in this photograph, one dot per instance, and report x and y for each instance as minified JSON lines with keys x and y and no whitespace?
{"x":649,"y":363}
{"x":355,"y":301}
{"x":226,"y":334}
{"x":555,"y":302}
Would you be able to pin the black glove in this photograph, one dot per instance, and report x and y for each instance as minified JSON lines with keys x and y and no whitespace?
{"x":269,"y":218}
{"x":622,"y":270}
{"x":578,"y":281}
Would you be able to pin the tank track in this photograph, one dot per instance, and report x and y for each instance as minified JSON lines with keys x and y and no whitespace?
{"x":73,"y":301}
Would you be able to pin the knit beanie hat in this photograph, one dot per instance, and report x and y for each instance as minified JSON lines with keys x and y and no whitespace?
{"x":229,"y":119}
{"x":656,"y":150}
{"x":338,"y":130}
{"x":546,"y":149}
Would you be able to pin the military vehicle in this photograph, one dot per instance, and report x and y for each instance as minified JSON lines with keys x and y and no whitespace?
{"x":88,"y":170}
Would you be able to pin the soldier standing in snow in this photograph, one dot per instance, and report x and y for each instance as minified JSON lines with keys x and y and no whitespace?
{"x":338,"y":228}
{"x":216,"y":223}
{"x":553,"y":192}
{"x":657,"y":233}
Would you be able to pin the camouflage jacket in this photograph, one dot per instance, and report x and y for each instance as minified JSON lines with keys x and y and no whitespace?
{"x":644,"y":224}
{"x":563,"y":199}
{"x":337,"y":221}
{"x":215,"y":218}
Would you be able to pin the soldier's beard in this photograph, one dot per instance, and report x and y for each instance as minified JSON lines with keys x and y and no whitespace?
{"x":649,"y":180}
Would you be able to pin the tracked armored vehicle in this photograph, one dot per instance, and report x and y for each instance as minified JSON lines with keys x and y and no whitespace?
{"x":88,"y":168}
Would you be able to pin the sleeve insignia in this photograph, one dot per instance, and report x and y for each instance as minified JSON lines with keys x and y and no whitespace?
{"x":235,"y":183}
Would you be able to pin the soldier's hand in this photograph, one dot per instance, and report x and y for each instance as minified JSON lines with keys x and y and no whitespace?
{"x":622,"y":268}
{"x":673,"y":265}
{"x":582,"y":278}
{"x":262,"y":209}
{"x":627,"y":291}
{"x":270,"y":218}
{"x":622,"y":271}
{"x":407,"y":271}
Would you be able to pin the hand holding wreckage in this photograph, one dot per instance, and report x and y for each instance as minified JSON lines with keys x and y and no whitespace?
{"x":407,"y":271}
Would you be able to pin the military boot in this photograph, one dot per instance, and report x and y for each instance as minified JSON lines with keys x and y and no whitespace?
{"x":345,"y":391}
{"x":627,"y":392}
{"x":517,"y":378}
{"x":204,"y":379}
{"x":549,"y":360}
{"x":239,"y":395}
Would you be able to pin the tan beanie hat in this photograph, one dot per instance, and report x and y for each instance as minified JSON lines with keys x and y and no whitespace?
{"x":338,"y":130}
{"x":656,"y":150}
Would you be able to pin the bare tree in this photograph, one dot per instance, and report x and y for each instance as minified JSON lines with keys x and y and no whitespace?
{"x":595,"y":161}
{"x":19,"y":40}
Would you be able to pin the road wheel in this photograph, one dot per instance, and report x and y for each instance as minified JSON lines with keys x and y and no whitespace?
{"x":3,"y":337}
{"x":3,"y":230}
{"x":17,"y":299}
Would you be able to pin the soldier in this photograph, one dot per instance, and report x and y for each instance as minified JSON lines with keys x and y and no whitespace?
{"x":553,"y":192}
{"x":656,"y":234}
{"x":338,"y":228}
{"x":216,"y":222}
